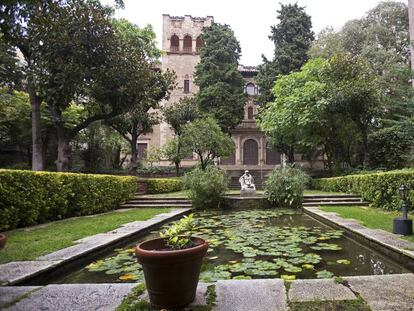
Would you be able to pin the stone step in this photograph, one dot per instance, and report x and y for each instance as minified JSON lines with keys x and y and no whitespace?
{"x":158,"y":201}
{"x":356,"y":199}
{"x":318,"y":196}
{"x":341,"y":203}
{"x":146,"y":205}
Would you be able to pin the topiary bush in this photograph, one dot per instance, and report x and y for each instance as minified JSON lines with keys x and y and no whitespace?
{"x":162,"y":185}
{"x":29,"y":198}
{"x":380,"y":189}
{"x":206,"y":186}
{"x":284,"y":187}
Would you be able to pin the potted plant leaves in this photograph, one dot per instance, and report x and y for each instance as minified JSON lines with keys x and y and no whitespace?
{"x":172,"y":264}
{"x":3,"y":240}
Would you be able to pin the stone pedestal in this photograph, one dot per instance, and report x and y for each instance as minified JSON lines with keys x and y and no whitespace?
{"x":403,"y":226}
{"x":248,"y":192}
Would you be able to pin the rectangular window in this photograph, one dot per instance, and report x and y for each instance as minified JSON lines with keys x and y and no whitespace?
{"x":186,"y":86}
{"x":142,"y":151}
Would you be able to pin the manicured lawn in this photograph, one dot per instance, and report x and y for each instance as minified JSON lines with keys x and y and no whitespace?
{"x":370,"y":217}
{"x":29,"y":243}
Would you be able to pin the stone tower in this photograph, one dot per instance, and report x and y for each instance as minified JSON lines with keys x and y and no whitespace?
{"x":181,"y":44}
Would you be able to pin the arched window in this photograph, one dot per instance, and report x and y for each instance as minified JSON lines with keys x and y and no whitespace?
{"x":250,"y":89}
{"x":175,"y":43}
{"x":250,"y":152}
{"x":199,"y":44}
{"x":250,"y":113}
{"x":188,"y":44}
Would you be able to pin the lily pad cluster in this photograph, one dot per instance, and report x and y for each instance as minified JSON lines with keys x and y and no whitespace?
{"x":245,"y":245}
{"x":124,"y":263}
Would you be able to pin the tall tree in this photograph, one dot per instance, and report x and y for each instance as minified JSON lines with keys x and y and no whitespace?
{"x":221,"y":84}
{"x":205,"y":138}
{"x":177,"y":116}
{"x":141,"y":118}
{"x":16,"y":18}
{"x":292,"y":37}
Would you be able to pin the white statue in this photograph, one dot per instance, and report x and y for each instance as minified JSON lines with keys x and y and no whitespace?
{"x":247,"y":182}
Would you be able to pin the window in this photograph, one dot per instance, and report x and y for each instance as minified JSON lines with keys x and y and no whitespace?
{"x":188,"y":44}
{"x":199,"y":44}
{"x":175,"y":43}
{"x":251,"y":89}
{"x":186,"y":86}
{"x":250,"y":113}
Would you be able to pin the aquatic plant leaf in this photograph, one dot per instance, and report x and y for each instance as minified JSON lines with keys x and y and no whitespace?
{"x":324,"y":274}
{"x":343,"y":261}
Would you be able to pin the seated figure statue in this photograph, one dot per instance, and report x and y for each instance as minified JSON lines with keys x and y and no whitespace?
{"x":247,"y":183}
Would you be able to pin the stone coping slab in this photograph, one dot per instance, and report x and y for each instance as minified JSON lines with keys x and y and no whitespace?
{"x":18,"y":271}
{"x":74,"y":297}
{"x":385,"y":292}
{"x":381,"y":292}
{"x":324,"y":289}
{"x":380,"y":237}
{"x":248,"y":295}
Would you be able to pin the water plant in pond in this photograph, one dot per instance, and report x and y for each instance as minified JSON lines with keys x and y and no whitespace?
{"x":249,"y":244}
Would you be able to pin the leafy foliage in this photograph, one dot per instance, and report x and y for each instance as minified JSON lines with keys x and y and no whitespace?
{"x":221,"y":84}
{"x":29,"y":198}
{"x":284,"y":187}
{"x":390,"y":147}
{"x":206,"y":186}
{"x":178,"y":235}
{"x":163,"y":185}
{"x":381,"y":189}
{"x":339,"y":94}
{"x":205,"y":138}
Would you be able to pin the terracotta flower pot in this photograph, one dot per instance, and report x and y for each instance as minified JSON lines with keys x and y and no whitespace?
{"x":3,"y":240}
{"x":171,"y":276}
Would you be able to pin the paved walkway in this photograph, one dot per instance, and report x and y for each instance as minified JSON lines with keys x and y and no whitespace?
{"x":382,"y":293}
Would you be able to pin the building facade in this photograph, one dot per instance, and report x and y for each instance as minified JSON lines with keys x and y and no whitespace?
{"x":181,"y":44}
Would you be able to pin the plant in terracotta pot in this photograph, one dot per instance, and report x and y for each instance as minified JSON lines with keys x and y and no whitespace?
{"x":3,"y":240}
{"x":172,"y":264}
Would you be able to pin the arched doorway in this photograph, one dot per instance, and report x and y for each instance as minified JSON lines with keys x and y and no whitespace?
{"x":250,"y":152}
{"x":273,"y":157}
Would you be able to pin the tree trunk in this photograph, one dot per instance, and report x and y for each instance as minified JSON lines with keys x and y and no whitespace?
{"x":62,"y":162}
{"x":177,"y":168}
{"x":291,"y":155}
{"x":37,"y":156}
{"x":134,"y":152}
{"x":364,"y":147}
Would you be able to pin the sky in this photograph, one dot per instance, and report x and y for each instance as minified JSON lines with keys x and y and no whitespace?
{"x":250,"y":20}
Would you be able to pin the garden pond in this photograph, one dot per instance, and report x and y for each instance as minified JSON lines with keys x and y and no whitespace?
{"x":251,"y":244}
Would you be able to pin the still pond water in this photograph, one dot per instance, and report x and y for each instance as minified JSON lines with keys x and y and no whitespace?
{"x":255,"y":244}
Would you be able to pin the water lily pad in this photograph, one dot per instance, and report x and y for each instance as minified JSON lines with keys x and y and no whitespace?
{"x":343,"y":261}
{"x":288,"y":277}
{"x":324,"y":274}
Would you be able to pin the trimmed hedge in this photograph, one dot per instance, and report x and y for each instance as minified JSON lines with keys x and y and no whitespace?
{"x":29,"y":198}
{"x":163,"y":185}
{"x":380,"y":189}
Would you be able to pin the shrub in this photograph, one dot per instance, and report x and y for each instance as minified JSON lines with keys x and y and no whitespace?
{"x":380,"y":189}
{"x":29,"y":198}
{"x":206,"y":187}
{"x":284,"y":187}
{"x":163,"y":185}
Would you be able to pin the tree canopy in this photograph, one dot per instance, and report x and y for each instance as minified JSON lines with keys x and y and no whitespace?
{"x":292,"y":37}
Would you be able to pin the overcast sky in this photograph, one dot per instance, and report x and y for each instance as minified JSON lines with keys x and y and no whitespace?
{"x":250,"y":20}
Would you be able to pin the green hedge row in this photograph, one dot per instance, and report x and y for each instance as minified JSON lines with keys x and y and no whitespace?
{"x":381,"y":189}
{"x":162,"y":185}
{"x":28,"y":198}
